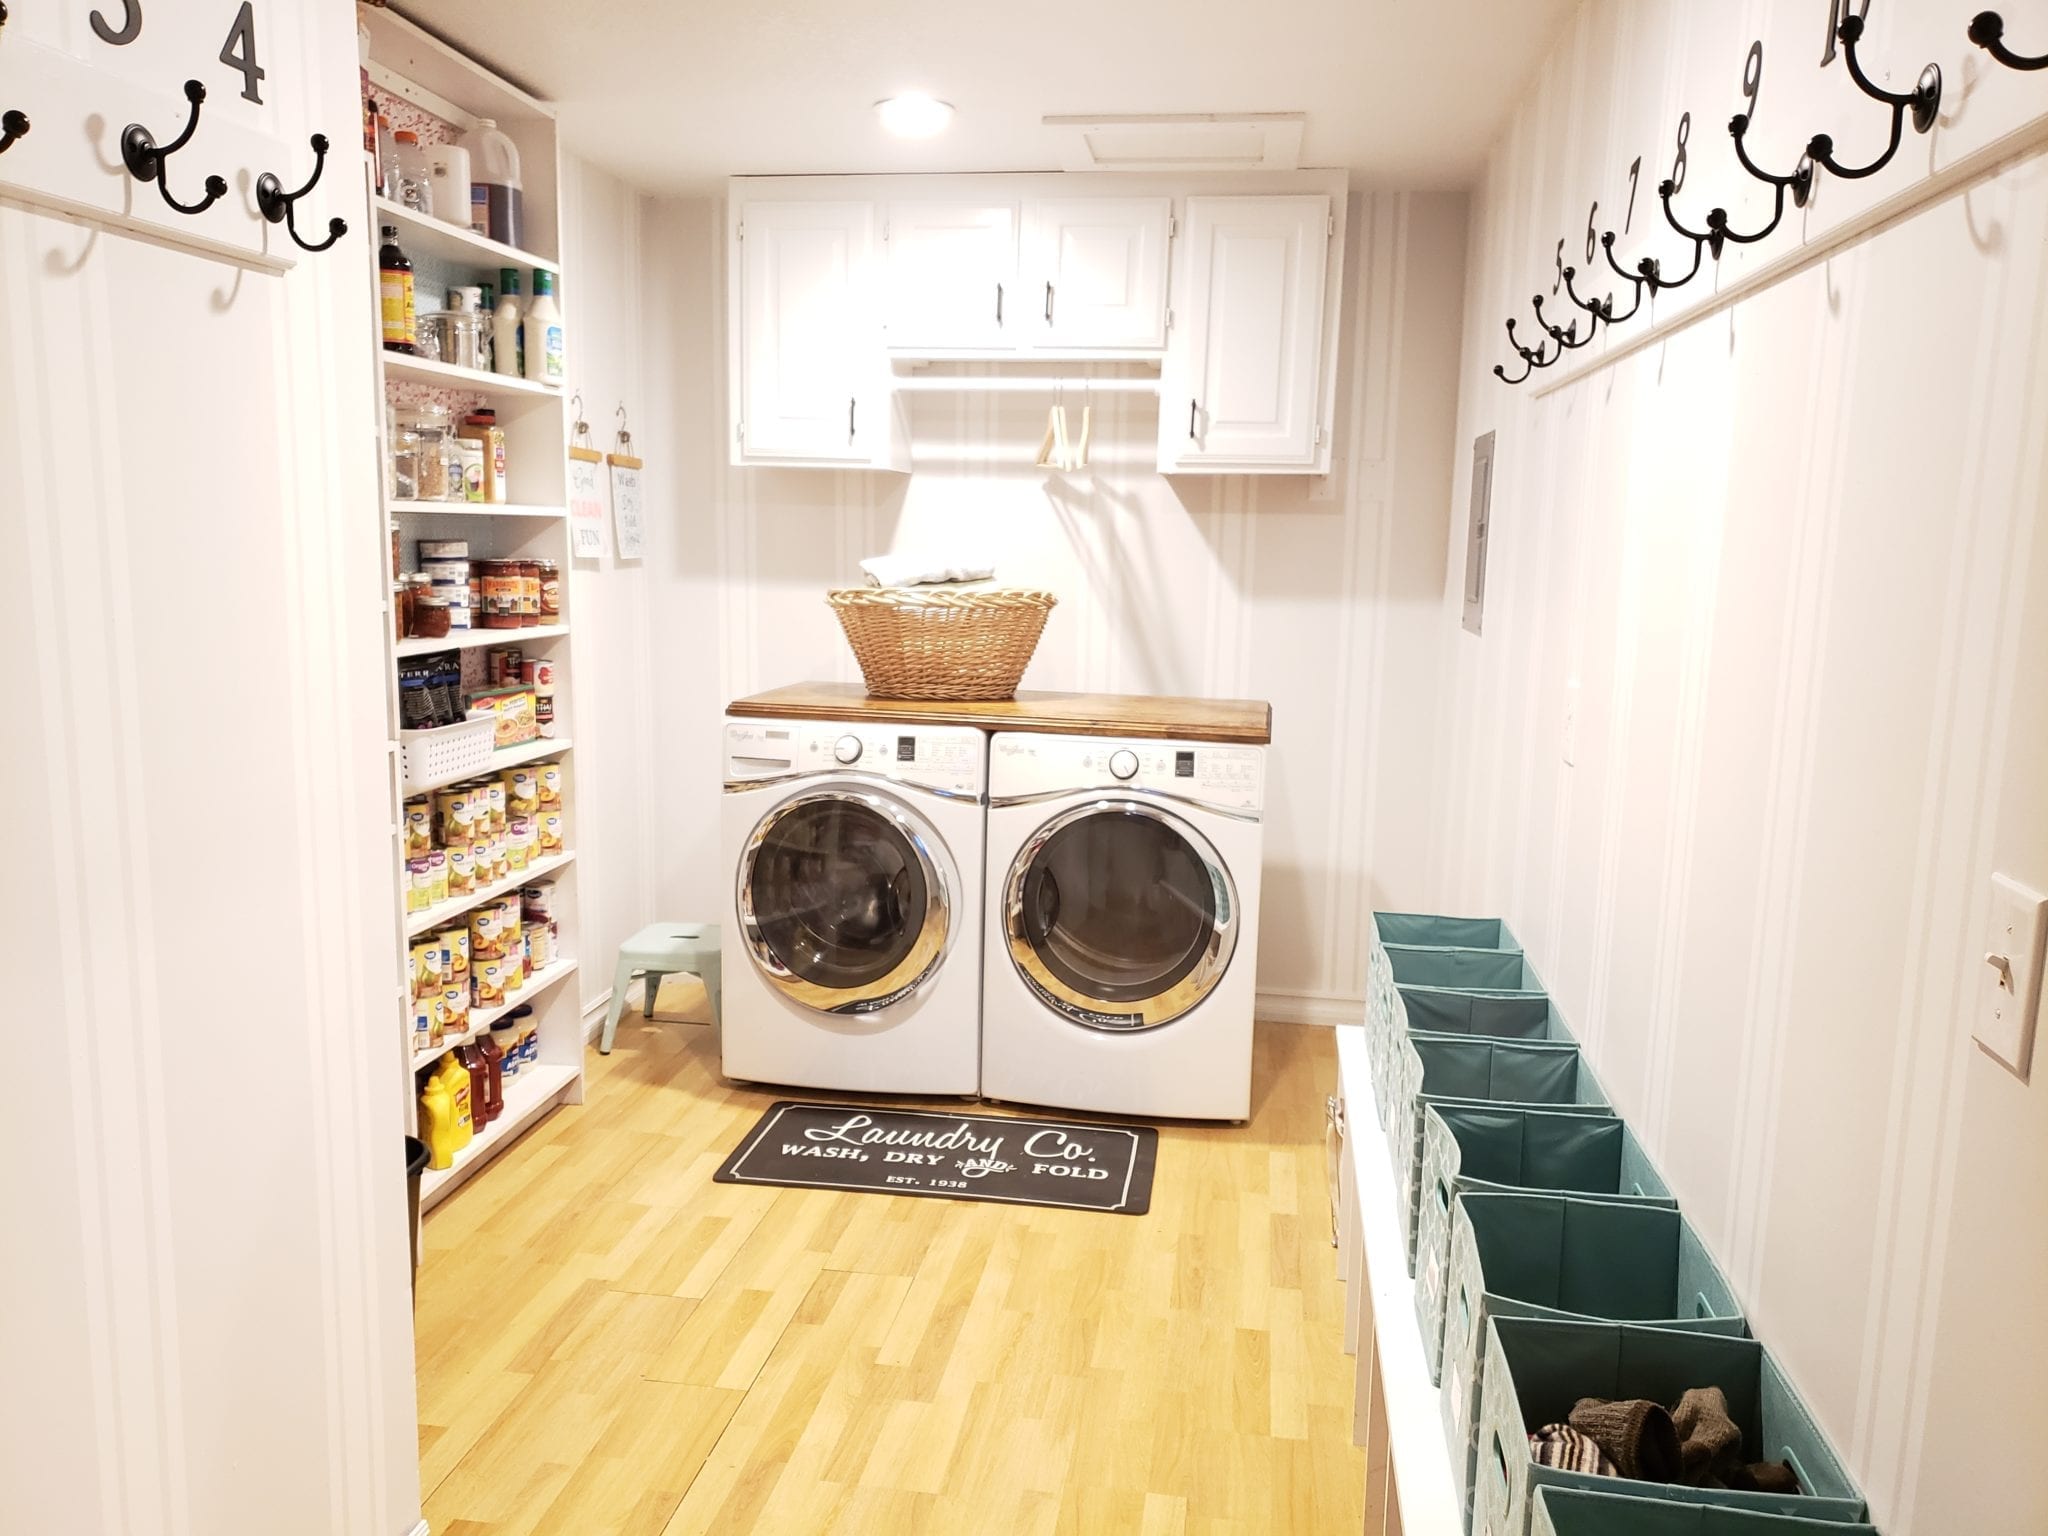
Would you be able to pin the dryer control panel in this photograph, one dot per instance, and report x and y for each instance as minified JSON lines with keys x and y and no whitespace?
{"x":1227,"y":777}
{"x":949,"y":758}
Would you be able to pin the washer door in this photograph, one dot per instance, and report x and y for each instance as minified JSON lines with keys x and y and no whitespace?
{"x":1119,"y":915}
{"x":841,"y":901}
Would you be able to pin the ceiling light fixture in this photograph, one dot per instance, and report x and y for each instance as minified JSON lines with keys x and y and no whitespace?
{"x":914,"y":115}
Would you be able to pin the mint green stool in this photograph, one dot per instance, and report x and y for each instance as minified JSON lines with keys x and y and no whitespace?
{"x":661,"y":950}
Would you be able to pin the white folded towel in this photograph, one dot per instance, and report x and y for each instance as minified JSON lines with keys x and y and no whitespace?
{"x":924,"y":570}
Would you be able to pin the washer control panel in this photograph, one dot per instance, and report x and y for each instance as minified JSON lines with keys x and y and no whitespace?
{"x":1227,"y":777}
{"x":950,"y":758}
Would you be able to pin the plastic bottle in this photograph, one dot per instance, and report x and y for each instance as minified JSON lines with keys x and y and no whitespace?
{"x":415,"y":176}
{"x":395,"y":295}
{"x":546,"y":355}
{"x":437,"y":1121}
{"x":494,"y":1075}
{"x":455,"y":1078}
{"x":506,"y":356}
{"x":482,"y":1108}
{"x":495,"y":202}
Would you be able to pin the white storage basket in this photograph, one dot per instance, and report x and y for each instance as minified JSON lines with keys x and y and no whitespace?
{"x":432,"y":758}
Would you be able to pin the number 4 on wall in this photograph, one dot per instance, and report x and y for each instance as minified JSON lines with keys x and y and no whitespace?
{"x":239,"y":52}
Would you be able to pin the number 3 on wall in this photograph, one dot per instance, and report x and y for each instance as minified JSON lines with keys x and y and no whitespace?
{"x":238,"y":52}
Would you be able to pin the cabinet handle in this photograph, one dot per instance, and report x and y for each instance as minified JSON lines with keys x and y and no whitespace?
{"x":999,"y":303}
{"x":1191,"y":421}
{"x":849,"y":417}
{"x":1048,"y":303}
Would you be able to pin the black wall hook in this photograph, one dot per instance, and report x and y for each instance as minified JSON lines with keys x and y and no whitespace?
{"x":1604,"y":308}
{"x":1923,"y":101}
{"x":145,"y":158}
{"x":1987,"y":31}
{"x":1717,"y":221}
{"x":13,"y":124}
{"x":1531,"y":360}
{"x":1799,"y":183}
{"x":281,"y":207}
{"x":1566,"y":336}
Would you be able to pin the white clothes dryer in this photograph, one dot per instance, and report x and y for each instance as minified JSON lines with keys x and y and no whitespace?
{"x":852,"y":944}
{"x":1123,"y":916}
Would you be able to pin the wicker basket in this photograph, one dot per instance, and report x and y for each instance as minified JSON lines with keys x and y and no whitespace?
{"x":932,"y":643}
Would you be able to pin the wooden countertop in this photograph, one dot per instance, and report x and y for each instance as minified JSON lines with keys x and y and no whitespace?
{"x":1245,"y":722}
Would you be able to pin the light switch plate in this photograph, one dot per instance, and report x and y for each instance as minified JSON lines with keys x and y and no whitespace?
{"x":2011,"y":986}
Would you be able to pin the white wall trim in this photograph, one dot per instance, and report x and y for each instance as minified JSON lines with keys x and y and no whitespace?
{"x":1308,"y":1008}
{"x":593,"y":1015}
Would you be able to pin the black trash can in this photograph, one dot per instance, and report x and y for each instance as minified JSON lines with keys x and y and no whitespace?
{"x":415,"y":1165}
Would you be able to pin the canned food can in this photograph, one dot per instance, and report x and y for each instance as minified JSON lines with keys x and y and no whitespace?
{"x":425,"y":1033}
{"x":426,"y":966}
{"x":487,"y":989}
{"x":457,"y":941}
{"x":461,"y":871}
{"x":550,"y":785}
{"x":522,"y":796}
{"x":419,"y":825}
{"x":418,"y":885}
{"x":437,"y":877}
{"x":549,"y":827}
{"x":494,"y":803}
{"x":536,"y":901}
{"x":487,"y":936}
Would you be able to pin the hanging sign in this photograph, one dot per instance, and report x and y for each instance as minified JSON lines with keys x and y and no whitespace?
{"x":626,"y":493}
{"x":586,"y":495}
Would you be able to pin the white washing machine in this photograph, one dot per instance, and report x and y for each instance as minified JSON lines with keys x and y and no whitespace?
{"x":1123,"y":917}
{"x":852,"y":948}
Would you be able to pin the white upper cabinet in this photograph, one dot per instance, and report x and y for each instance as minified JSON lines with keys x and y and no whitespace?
{"x":1243,"y":383}
{"x":1095,"y":269}
{"x":808,"y":389}
{"x":951,"y":283}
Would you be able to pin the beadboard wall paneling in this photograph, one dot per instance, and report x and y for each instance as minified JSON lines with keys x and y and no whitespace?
{"x":1236,"y":586}
{"x":1788,"y":557}
{"x":206,"y":1325}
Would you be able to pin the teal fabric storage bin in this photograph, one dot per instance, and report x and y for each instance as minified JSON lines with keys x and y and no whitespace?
{"x":1537,"y":1368}
{"x":1484,"y":1147}
{"x":1473,"y":1068}
{"x":1572,"y":1512}
{"x":1533,"y":1254}
{"x":1514,"y":1015}
{"x":1409,"y":933}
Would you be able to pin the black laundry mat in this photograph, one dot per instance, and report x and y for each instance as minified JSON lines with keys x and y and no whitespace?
{"x":1008,"y":1159}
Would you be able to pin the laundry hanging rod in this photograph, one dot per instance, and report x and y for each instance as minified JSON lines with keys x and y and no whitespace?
{"x":988,"y":384}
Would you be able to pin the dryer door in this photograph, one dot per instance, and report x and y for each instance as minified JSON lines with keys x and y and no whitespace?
{"x":1119,"y":915}
{"x":843,"y":904}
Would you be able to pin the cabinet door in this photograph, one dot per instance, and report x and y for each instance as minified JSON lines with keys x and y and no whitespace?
{"x":807,"y":344}
{"x":952,"y":284}
{"x":1253,"y":333}
{"x":1097,"y":275}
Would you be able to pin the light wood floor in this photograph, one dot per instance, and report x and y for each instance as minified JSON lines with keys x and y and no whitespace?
{"x":610,"y":1342}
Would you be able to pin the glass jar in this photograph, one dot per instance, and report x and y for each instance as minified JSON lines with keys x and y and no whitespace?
{"x":452,"y":337}
{"x":405,"y":460}
{"x":435,"y":456}
{"x":430,"y":619}
{"x":529,"y":593}
{"x":501,"y":588}
{"x":550,"y":592}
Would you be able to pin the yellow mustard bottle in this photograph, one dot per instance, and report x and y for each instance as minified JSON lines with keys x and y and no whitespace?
{"x":437,"y":1122}
{"x":459,"y":1096}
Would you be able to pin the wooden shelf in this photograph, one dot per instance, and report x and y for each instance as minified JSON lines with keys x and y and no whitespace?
{"x":443,"y":912}
{"x":472,"y":509}
{"x":424,"y":370}
{"x":527,"y":1097}
{"x":503,"y":757}
{"x":423,"y":235}
{"x":481,"y":1019}
{"x":1247,"y":722}
{"x":470,"y":639}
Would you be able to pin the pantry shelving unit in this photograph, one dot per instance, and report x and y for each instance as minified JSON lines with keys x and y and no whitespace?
{"x":433,"y":88}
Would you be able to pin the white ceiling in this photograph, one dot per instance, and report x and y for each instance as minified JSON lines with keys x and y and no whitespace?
{"x":675,"y":95}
